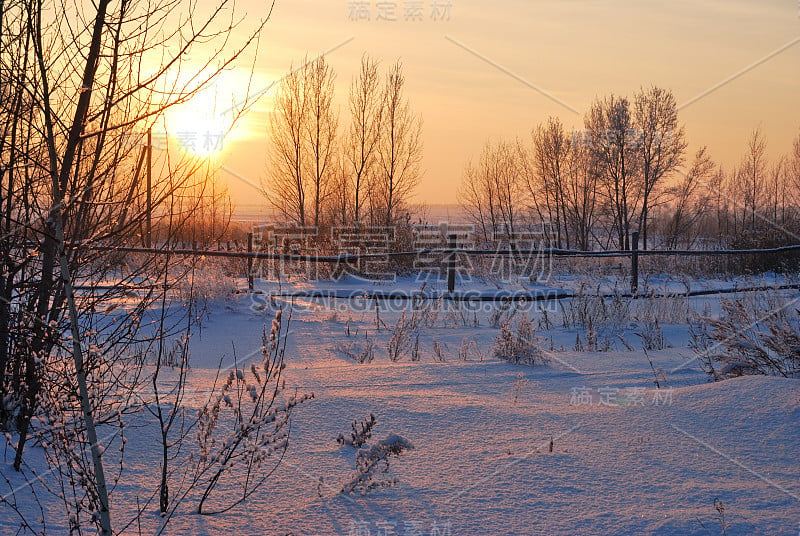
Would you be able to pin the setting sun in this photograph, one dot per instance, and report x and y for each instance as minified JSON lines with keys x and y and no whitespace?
{"x":207,"y":123}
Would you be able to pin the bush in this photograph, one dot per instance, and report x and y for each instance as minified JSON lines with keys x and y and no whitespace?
{"x":783,"y":262}
{"x":245,"y":424}
{"x":360,"y":432}
{"x":401,"y":341}
{"x":359,"y":350}
{"x":759,"y":334}
{"x":652,"y":336}
{"x":372,"y":465}
{"x":518,"y":344}
{"x":592,"y":308}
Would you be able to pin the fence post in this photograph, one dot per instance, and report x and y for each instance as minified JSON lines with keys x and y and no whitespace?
{"x":634,"y":262}
{"x":451,"y":266}
{"x":148,"y":229}
{"x":250,"y":261}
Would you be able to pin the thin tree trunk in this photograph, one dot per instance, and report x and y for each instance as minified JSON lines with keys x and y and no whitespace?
{"x":59,"y":187}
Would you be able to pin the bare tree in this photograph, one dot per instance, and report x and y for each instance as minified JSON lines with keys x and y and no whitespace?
{"x":320,"y":131}
{"x":720,"y":185}
{"x":579,"y":192}
{"x":692,"y":201}
{"x":777,"y":194}
{"x":478,"y":198}
{"x":507,"y":176}
{"x":661,"y":144}
{"x":614,"y":145}
{"x":751,"y":178}
{"x":795,"y":159}
{"x":287,"y":186}
{"x":793,"y":171}
{"x":361,"y":144}
{"x":492,"y":190}
{"x":546,"y":182}
{"x":399,"y":150}
{"x":303,"y":129}
{"x":340,"y":201}
{"x":204,"y":209}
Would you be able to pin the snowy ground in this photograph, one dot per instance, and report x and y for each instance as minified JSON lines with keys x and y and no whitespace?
{"x":689,"y":457}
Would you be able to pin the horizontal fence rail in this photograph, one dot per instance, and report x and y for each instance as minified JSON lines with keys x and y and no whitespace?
{"x":449,"y":262}
{"x":504,"y":252}
{"x":507,"y":296}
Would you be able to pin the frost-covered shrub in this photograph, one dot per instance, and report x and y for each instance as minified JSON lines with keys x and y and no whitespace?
{"x":244,"y":423}
{"x":372,"y":465}
{"x":360,"y":349}
{"x":468,"y":348}
{"x":518,"y":343}
{"x":439,"y":351}
{"x":360,"y":432}
{"x":210,"y":281}
{"x":591,"y":338}
{"x":600,"y":340}
{"x":652,"y":336}
{"x":588,"y":307}
{"x":457,"y":315}
{"x":662,"y":307}
{"x":759,"y":334}
{"x":503,"y":314}
{"x":404,"y":332}
{"x":518,"y":388}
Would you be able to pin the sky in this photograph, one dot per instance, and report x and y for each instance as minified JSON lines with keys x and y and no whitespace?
{"x":479,"y":71}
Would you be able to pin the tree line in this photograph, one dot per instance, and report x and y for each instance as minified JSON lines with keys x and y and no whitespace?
{"x":321,"y":174}
{"x":627,"y":171}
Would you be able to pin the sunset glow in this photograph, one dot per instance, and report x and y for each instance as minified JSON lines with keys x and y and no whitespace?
{"x":477,"y":72}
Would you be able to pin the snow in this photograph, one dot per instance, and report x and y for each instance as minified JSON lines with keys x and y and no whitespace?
{"x":628,"y":457}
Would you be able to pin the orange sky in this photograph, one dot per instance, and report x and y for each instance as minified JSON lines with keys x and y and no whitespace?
{"x":497,"y":69}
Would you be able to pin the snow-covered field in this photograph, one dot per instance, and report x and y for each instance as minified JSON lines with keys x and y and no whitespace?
{"x":608,"y":441}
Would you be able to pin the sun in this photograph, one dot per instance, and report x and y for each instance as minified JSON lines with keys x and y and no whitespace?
{"x":204,"y":124}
